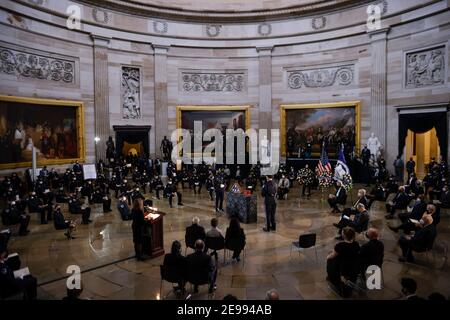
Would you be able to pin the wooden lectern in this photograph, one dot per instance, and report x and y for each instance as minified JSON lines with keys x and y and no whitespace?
{"x":155,"y":247}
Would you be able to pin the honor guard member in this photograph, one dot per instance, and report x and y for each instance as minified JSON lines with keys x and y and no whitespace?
{"x":269,"y":193}
{"x":210,"y":185}
{"x":195,"y":182}
{"x":219,"y":188}
{"x":157,"y":185}
{"x":171,"y":191}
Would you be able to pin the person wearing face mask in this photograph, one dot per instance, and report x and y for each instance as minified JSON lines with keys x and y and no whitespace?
{"x":171,"y":190}
{"x":340,"y":197}
{"x":283,"y":187}
{"x":417,"y":211}
{"x":124,"y":209}
{"x":269,"y":191}
{"x":422,"y":240}
{"x":444,"y":199}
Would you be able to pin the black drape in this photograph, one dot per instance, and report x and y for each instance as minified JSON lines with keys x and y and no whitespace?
{"x":131,"y":137}
{"x":421,"y":123}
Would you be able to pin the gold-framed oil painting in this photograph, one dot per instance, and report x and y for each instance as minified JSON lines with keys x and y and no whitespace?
{"x":54,"y":127}
{"x":218,"y":117}
{"x":305,"y":128}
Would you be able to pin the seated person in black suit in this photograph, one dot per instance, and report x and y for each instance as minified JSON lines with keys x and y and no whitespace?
{"x":417,"y":211}
{"x":340,"y":197}
{"x":409,"y":288}
{"x":357,"y":220}
{"x":9,"y":285}
{"x":361,"y":199}
{"x":422,"y":240}
{"x":235,"y":238}
{"x":372,"y":252}
{"x":175,"y":264}
{"x":61,"y":196}
{"x":378,"y":193}
{"x":194,"y":232}
{"x":33,"y":203}
{"x":124,"y":209}
{"x":170,"y":191}
{"x":399,"y":202}
{"x":62,"y":224}
{"x":415,"y":222}
{"x":343,"y":261}
{"x":11,"y":215}
{"x":444,"y":199}
{"x":201,"y":268}
{"x":75,"y":207}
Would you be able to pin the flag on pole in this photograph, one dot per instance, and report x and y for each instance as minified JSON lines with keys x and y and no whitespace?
{"x":323,"y":165}
{"x":341,"y":160}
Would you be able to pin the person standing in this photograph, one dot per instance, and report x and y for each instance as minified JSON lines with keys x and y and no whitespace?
{"x":398,"y":166}
{"x":410,"y":166}
{"x":269,"y":192}
{"x":219,"y":187}
{"x":137,"y":226}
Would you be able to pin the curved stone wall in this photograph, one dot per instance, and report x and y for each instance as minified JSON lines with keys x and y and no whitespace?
{"x":161,"y":53}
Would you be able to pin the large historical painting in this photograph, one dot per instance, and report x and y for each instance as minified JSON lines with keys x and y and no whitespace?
{"x":53,"y":127}
{"x":306,"y":128}
{"x":217,"y":117}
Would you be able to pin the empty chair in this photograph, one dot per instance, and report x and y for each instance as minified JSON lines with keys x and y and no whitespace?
{"x":305,"y":241}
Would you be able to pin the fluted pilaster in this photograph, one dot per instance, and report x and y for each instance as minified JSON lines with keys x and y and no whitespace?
{"x":161,"y":113}
{"x":379,"y":83}
{"x":101,"y":94}
{"x":265,"y":87}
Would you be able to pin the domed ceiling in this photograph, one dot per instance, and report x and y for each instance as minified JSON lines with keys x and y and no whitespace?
{"x":225,"y":9}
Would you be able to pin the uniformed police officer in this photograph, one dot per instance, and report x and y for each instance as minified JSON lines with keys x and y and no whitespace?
{"x":219,"y":188}
{"x":170,"y":191}
{"x":269,"y":192}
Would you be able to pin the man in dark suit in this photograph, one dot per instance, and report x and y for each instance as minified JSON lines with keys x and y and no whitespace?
{"x":444,"y":199}
{"x":194,"y":232}
{"x":269,"y":192}
{"x":422,"y":240}
{"x":410,"y":166}
{"x":372,"y":252}
{"x":219,"y":188}
{"x":201,"y":268}
{"x":358,"y":221}
{"x":400,"y":201}
{"x":409,"y":288}
{"x":171,"y":190}
{"x":340,"y":197}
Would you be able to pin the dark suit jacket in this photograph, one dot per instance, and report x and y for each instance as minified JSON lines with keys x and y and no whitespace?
{"x":445,"y":200}
{"x":424,"y":238}
{"x":418,"y":210}
{"x":199,"y":267}
{"x":235,"y":241}
{"x":401,"y":200}
{"x":341,"y":195}
{"x":371,"y":253}
{"x":193,"y":233}
{"x":175,"y":265}
{"x":361,"y":221}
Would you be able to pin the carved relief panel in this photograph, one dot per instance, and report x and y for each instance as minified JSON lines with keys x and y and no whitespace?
{"x":131,"y":93}
{"x":426,"y":67}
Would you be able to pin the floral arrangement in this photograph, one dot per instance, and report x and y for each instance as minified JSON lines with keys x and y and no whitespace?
{"x":305,"y":176}
{"x":325,"y":179}
{"x":347,"y":182}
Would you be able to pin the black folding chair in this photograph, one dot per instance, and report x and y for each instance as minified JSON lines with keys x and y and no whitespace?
{"x":170,"y":275}
{"x":305,"y":241}
{"x":216,"y":244}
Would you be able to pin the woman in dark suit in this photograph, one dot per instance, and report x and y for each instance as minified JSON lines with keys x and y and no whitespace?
{"x":235,"y":238}
{"x":175,"y":264}
{"x":137,"y":214}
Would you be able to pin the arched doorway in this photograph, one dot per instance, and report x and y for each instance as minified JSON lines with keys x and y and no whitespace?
{"x":423,"y":135}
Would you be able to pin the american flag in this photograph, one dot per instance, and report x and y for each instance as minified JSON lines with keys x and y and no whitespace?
{"x":323,"y":165}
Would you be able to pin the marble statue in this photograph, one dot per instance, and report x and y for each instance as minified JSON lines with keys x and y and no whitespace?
{"x":374,"y":145}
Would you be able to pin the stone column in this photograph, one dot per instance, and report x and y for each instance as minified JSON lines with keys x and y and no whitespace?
{"x":378,"y":84}
{"x":101,"y":95}
{"x":265,"y":87}
{"x":161,"y":112}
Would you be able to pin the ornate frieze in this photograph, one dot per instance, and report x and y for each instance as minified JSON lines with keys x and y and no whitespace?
{"x":160,"y":26}
{"x":425,"y":68}
{"x":213,"y":30}
{"x":131,"y":93}
{"x":100,"y":16}
{"x":213,"y":81}
{"x":319,"y":23}
{"x":321,"y":77}
{"x":36,"y":66}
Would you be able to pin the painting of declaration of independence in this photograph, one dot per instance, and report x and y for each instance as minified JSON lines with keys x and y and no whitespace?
{"x":51,"y":129}
{"x":306,"y":130}
{"x":221,"y":118}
